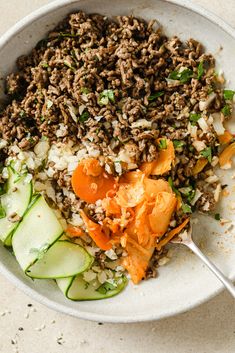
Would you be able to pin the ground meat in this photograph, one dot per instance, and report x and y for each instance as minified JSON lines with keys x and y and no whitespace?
{"x":111,"y":85}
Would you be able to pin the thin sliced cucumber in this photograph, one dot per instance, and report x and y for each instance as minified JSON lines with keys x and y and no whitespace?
{"x":75,"y":288}
{"x":15,"y":201}
{"x":63,"y":259}
{"x":38,"y":230}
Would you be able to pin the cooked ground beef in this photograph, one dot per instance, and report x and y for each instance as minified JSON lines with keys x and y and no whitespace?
{"x":112,"y":85}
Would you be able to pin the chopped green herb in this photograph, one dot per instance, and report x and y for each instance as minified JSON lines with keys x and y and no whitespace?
{"x":210,"y":90}
{"x":162,"y":144}
{"x":183,"y":76}
{"x":66,"y":63}
{"x":226,"y":110}
{"x":191,"y":149}
{"x":49,"y":104}
{"x":228,"y":94}
{"x":155,"y":95}
{"x":2,"y":211}
{"x":217,"y":216}
{"x":22,"y":114}
{"x":105,"y":287}
{"x":200,"y":70}
{"x":84,"y":116}
{"x":85,"y":90}
{"x":178,"y":143}
{"x":106,"y":96}
{"x":186,"y":208}
{"x":44,"y":65}
{"x":170,"y":181}
{"x":42,"y":118}
{"x":188,"y":192}
{"x":194,"y":117}
{"x":207,"y":153}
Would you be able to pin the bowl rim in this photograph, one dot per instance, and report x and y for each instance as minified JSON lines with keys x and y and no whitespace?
{"x":4,"y":39}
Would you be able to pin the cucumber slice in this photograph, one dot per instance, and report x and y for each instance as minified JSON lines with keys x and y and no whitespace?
{"x":16,"y":200}
{"x":75,"y":288}
{"x":38,"y":230}
{"x":63,"y":259}
{"x":37,"y":250}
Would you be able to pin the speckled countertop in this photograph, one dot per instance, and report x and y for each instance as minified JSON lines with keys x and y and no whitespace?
{"x":28,"y":327}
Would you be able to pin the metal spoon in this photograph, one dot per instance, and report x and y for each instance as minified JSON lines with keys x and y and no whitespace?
{"x":188,"y":241}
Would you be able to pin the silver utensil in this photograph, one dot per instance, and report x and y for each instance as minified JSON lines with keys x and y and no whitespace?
{"x":188,"y":241}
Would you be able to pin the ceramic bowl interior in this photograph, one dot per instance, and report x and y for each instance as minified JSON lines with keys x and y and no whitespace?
{"x":184,"y":282}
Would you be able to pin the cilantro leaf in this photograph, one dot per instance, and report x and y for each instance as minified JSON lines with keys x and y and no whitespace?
{"x":105,"y":287}
{"x":207,"y":153}
{"x":106,"y":96}
{"x":155,"y":95}
{"x":84,"y":116}
{"x":188,"y":192}
{"x":228,"y":94}
{"x":217,"y":217}
{"x":183,"y":76}
{"x":186,"y":208}
{"x":170,"y":182}
{"x":85,"y":90}
{"x":194,"y":117}
{"x":200,"y":70}
{"x":162,"y":144}
{"x":226,"y":110}
{"x":178,"y":143}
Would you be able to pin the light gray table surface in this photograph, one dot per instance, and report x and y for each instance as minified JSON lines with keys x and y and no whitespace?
{"x":209,"y":328}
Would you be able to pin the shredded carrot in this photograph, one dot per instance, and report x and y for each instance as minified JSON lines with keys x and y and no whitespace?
{"x":172,"y":234}
{"x":225,"y":138}
{"x":96,"y":233}
{"x":90,"y":182}
{"x":226,"y":155}
{"x":200,"y":165}
{"x":160,"y":217}
{"x":163,"y":162}
{"x":73,"y":231}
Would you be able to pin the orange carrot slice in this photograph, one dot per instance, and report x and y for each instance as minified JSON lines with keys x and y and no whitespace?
{"x":96,"y":233}
{"x":172,"y":234}
{"x":90,"y":182}
{"x":163,"y":162}
{"x":200,"y":165}
{"x":111,"y":206}
{"x":137,"y":261}
{"x":225,"y":138}
{"x":226,"y":155}
{"x":130,"y":195}
{"x":73,"y":231}
{"x":160,"y":217}
{"x":165,"y":159}
{"x":153,"y":187}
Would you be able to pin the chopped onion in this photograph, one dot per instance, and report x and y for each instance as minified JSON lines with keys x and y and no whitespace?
{"x":199,"y":145}
{"x":197,"y":196}
{"x":217,"y":124}
{"x":142,"y":123}
{"x":203,"y":105}
{"x":217,"y":192}
{"x":212,"y":179}
{"x":203,"y":124}
{"x":73,"y":111}
{"x":171,"y":82}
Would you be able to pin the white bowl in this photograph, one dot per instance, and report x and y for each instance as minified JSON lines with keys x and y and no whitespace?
{"x":184,"y":282}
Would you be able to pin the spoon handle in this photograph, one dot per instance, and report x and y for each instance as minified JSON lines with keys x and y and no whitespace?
{"x":227,"y":283}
